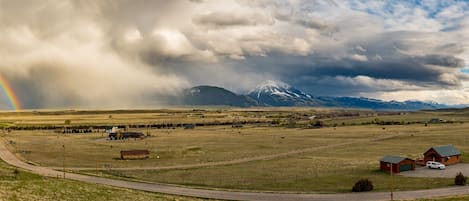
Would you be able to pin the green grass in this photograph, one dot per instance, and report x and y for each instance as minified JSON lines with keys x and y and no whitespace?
{"x":30,"y":187}
{"x":303,"y":173}
{"x":450,"y":198}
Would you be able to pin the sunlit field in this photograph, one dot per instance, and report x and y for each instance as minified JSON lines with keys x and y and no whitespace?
{"x":277,"y":151}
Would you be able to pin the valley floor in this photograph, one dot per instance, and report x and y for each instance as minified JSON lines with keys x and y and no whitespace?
{"x":273,"y":155}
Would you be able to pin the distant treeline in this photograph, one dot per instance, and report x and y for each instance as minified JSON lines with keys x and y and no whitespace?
{"x":399,"y":122}
{"x":93,"y":128}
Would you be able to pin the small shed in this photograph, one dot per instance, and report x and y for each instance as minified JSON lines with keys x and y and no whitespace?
{"x":436,"y":120}
{"x":189,"y":126}
{"x":399,"y":164}
{"x":446,"y":154}
{"x":237,"y":125}
{"x":134,"y":154}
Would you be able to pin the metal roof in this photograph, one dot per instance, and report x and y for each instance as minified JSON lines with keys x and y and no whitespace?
{"x":447,"y":150}
{"x":392,"y":159}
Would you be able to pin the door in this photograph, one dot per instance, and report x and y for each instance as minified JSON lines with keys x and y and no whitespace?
{"x":405,"y":167}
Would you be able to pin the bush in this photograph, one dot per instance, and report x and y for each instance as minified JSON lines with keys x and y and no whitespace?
{"x":16,"y":172}
{"x":460,"y":179}
{"x":318,"y":124}
{"x":363,"y":185}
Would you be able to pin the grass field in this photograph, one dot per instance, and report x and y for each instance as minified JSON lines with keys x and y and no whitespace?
{"x":327,"y":170}
{"x":31,"y":187}
{"x":452,"y":198}
{"x":177,"y":146}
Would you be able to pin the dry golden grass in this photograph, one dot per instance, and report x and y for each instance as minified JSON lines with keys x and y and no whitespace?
{"x":174,"y":146}
{"x":329,"y":170}
{"x":326,"y":170}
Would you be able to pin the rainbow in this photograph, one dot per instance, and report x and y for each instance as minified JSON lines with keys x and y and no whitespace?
{"x":10,"y":94}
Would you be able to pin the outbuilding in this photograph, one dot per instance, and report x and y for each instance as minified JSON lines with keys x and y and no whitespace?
{"x":398,"y":164}
{"x":135,"y":154}
{"x":446,"y":154}
{"x":189,"y":126}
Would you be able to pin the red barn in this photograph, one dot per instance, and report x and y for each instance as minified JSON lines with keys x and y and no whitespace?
{"x":399,"y":164}
{"x":446,"y":154}
{"x":135,"y":154}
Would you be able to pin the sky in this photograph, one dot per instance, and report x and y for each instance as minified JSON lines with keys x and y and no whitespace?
{"x":130,"y":53}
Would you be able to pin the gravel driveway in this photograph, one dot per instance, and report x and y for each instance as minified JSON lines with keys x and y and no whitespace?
{"x":449,"y":172}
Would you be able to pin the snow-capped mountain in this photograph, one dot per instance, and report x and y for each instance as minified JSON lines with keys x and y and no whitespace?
{"x":279,"y":88}
{"x":278,"y":93}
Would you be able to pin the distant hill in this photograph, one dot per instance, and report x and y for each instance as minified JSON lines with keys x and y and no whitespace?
{"x":277,"y":93}
{"x":210,"y":95}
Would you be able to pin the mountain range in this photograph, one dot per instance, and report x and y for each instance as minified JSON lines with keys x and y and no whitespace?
{"x":276,"y":93}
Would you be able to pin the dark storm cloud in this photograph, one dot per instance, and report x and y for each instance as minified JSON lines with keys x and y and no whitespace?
{"x":386,"y":62}
{"x":86,"y":53}
{"x":60,"y":54}
{"x":442,"y":60}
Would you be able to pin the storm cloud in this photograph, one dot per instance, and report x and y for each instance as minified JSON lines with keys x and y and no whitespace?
{"x":124,"y":53}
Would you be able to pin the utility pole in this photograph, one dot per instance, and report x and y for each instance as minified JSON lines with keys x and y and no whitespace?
{"x":392,"y":181}
{"x":63,"y":159}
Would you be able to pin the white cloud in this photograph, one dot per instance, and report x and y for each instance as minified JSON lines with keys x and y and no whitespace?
{"x":359,"y":57}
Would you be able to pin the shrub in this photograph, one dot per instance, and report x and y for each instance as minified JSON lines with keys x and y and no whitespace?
{"x":363,"y":185}
{"x":16,"y":172}
{"x":460,"y":179}
{"x":318,"y":124}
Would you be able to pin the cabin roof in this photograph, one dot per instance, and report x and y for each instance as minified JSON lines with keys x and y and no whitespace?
{"x":393,"y":159}
{"x":446,"y":150}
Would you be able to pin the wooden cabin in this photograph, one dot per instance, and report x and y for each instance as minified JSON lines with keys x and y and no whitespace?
{"x":446,"y":154}
{"x":398,"y":164}
{"x":134,"y":154}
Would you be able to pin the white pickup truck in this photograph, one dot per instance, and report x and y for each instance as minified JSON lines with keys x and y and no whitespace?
{"x":435,"y":165}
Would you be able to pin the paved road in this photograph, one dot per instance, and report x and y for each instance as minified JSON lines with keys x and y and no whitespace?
{"x":242,"y":160}
{"x":449,"y":172}
{"x":11,"y":159}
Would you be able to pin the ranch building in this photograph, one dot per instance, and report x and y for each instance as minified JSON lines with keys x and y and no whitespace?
{"x":237,"y":125}
{"x":189,"y":126}
{"x":446,"y":154}
{"x":135,"y":154}
{"x":399,"y":164}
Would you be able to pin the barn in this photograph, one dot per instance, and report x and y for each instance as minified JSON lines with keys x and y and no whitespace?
{"x":135,"y":154}
{"x":446,"y":154}
{"x":399,"y":164}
